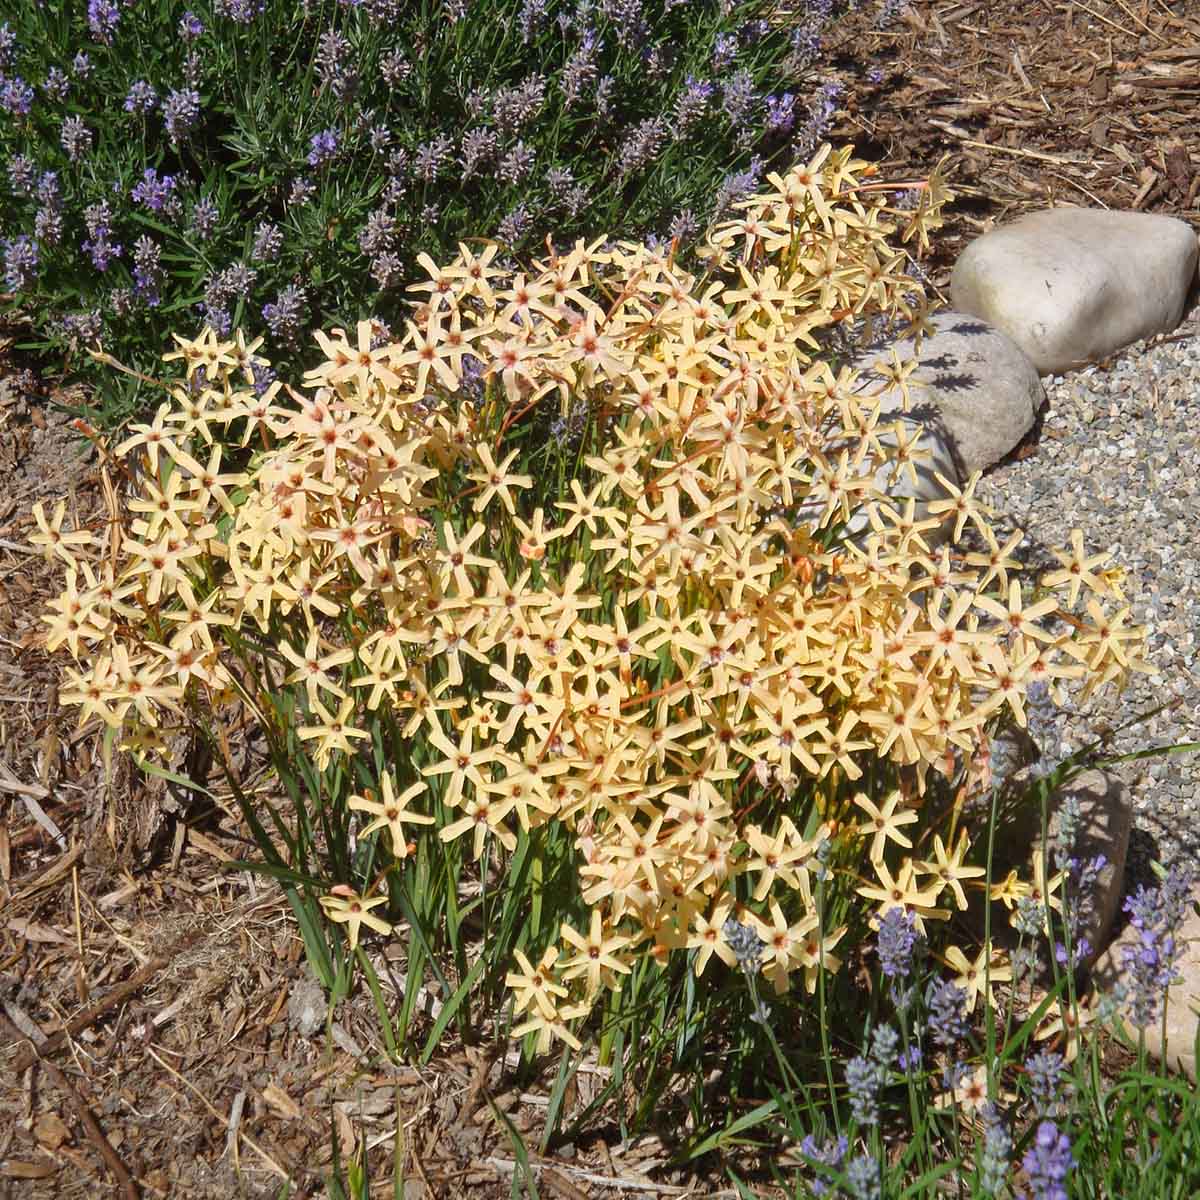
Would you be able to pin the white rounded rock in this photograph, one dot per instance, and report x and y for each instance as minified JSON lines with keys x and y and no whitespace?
{"x":1074,"y":285}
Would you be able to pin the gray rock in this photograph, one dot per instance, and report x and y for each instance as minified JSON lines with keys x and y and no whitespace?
{"x":1073,"y":285}
{"x":1183,"y":998}
{"x":306,"y":1006}
{"x":932,"y":455}
{"x":974,"y":385}
{"x":1105,"y":821}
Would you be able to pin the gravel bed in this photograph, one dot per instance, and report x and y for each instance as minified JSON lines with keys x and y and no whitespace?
{"x":1118,"y":455}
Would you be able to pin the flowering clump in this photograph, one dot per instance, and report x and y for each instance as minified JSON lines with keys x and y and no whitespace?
{"x":679,"y":629}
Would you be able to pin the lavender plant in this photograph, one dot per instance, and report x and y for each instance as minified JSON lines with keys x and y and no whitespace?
{"x":151,"y":152}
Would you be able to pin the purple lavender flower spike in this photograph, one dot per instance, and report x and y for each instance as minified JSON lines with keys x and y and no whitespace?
{"x":378,"y":233}
{"x":781,"y":113}
{"x":514,"y":107}
{"x":515,"y":225}
{"x":268,"y":241}
{"x":153,"y":192}
{"x":302,"y":190}
{"x":1156,"y":915}
{"x":56,"y":84}
{"x":479,"y":148}
{"x":641,"y":145}
{"x":323,"y":147}
{"x":333,"y":59}
{"x":724,"y":51}
{"x":997,"y":1149}
{"x":863,"y":1088}
{"x":147,"y":271}
{"x":241,"y":12}
{"x":190,"y":27}
{"x":16,"y":96}
{"x":141,"y":98}
{"x":386,"y":269}
{"x":99,"y":244}
{"x":20,"y":262}
{"x":22,"y":174}
{"x":896,"y":943}
{"x":581,"y":71}
{"x":738,"y":97}
{"x":285,"y":316}
{"x":433,"y":157}
{"x":102,"y":18}
{"x":205,"y":218}
{"x":48,"y":225}
{"x":690,"y":105}
{"x":395,"y":68}
{"x":1048,"y":1162}
{"x":531,"y":18}
{"x":829,"y":1154}
{"x":516,"y":165}
{"x":181,"y":113}
{"x":947,"y":1023}
{"x":1048,"y":1085}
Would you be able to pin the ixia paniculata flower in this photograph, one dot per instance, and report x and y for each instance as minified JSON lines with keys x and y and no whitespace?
{"x":632,"y":656}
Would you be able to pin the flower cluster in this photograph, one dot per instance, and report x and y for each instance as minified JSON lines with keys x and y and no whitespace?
{"x":682,"y":650}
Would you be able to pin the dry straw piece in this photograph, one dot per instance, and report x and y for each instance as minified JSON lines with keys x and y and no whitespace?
{"x":674,"y":632}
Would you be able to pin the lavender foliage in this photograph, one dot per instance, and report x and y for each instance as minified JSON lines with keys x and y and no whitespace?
{"x":566,"y":109}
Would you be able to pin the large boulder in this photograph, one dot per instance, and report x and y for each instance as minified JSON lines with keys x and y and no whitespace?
{"x":1073,"y":285}
{"x":974,"y":387}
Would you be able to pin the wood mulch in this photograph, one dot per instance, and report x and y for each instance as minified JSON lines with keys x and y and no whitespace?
{"x":1036,"y":103}
{"x":148,"y":1034}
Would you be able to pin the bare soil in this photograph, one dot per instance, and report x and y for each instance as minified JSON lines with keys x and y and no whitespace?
{"x":150,"y":1000}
